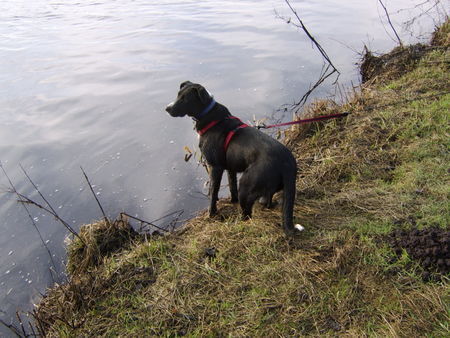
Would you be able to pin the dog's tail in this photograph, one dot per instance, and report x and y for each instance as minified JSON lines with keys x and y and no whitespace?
{"x":289,"y":178}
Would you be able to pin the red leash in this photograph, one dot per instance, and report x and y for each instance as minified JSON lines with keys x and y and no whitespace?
{"x":314,"y":119}
{"x":243,"y":125}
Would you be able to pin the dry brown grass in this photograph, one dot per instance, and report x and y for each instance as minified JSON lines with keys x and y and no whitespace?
{"x":256,"y":283}
{"x":98,"y":240}
{"x":384,"y":167}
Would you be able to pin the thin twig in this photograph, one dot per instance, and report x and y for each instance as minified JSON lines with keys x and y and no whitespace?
{"x":175,"y":220}
{"x":203,"y":196}
{"x":11,"y":327}
{"x":95,"y":196}
{"x":390,"y":23}
{"x":21,"y":324}
{"x":32,"y":221}
{"x":38,"y":321}
{"x":142,"y":221}
{"x":181,"y":211}
{"x":32,"y":330}
{"x":303,"y":27}
{"x":326,"y":72}
{"x":50,"y":209}
{"x":38,"y":191}
{"x":441,"y":12}
{"x":323,"y":76}
{"x":26,"y":200}
{"x":347,"y":46}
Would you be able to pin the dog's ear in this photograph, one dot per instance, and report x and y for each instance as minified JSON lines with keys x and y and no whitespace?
{"x":203,"y":94}
{"x":185,"y":83}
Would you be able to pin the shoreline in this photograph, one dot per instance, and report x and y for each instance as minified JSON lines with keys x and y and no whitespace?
{"x":368,"y":187}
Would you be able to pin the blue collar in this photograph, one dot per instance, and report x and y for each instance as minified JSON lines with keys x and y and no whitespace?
{"x":206,"y":110}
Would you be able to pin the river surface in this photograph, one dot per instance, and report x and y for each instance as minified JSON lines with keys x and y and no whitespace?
{"x":85,"y":83}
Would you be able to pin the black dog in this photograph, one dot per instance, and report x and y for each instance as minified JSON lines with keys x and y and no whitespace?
{"x":228,"y":144}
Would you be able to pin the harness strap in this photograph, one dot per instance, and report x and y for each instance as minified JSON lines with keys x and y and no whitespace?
{"x":207,"y":127}
{"x":230,"y":133}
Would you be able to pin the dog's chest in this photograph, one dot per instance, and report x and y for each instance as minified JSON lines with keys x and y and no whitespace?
{"x":212,"y":150}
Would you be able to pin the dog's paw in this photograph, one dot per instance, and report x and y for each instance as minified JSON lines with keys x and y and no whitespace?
{"x":295,"y":230}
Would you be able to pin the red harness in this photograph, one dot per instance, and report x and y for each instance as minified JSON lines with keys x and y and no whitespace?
{"x":230,"y":133}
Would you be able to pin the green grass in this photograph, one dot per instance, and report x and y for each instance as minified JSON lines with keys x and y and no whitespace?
{"x":385,"y":167}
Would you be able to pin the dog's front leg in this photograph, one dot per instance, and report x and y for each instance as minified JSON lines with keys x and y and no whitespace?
{"x":215,"y":176}
{"x":232,"y":181}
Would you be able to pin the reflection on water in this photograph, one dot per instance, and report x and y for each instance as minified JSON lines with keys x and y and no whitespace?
{"x":85,"y":83}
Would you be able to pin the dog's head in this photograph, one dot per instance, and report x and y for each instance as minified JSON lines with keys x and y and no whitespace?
{"x":192,"y":100}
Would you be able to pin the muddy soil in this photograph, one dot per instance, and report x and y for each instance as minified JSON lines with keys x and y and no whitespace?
{"x":430,"y":247}
{"x":391,"y":65}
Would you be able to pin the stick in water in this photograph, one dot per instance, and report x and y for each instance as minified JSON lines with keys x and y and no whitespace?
{"x":95,"y":196}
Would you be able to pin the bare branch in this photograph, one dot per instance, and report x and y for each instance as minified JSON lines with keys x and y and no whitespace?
{"x":26,"y":200}
{"x":11,"y":327}
{"x":33,"y":332}
{"x":95,"y":196}
{"x":390,"y":23}
{"x":21,"y":324}
{"x":326,"y":72}
{"x":37,"y":189}
{"x":38,"y":323}
{"x":50,"y":209}
{"x":314,"y":41}
{"x":144,"y":222}
{"x":179,"y":212}
{"x":13,"y":188}
{"x":434,"y":5}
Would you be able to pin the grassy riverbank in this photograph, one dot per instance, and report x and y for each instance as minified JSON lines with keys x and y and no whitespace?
{"x":364,"y":183}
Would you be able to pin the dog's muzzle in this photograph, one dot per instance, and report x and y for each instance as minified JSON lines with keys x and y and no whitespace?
{"x":169,"y":107}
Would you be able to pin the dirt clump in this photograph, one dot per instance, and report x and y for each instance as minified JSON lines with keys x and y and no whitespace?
{"x":401,"y":59}
{"x":431,"y":247}
{"x":391,"y":65}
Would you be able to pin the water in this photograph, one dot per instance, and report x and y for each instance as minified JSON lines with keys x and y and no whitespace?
{"x":85,"y":83}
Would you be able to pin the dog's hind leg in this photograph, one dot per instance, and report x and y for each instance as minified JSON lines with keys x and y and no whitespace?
{"x":246,"y":202}
{"x":215,"y":176}
{"x":247,"y":196}
{"x":232,"y":181}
